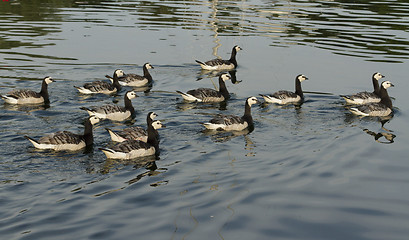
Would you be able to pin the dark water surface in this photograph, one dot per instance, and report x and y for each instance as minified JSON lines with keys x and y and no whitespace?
{"x":309,"y":172}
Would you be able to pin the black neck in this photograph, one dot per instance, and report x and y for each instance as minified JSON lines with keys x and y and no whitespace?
{"x":233,"y":57}
{"x":88,"y":136}
{"x":247,"y":114}
{"x":153,"y":138}
{"x":375,"y":85}
{"x":146,"y":74}
{"x":115,"y":82}
{"x":44,"y":92}
{"x":128,"y":104}
{"x":298,"y":89}
{"x":385,"y":99}
{"x":223,"y":89}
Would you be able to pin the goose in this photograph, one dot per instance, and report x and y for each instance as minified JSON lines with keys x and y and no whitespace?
{"x":103,"y":87}
{"x":25,"y":96}
{"x":220,"y":64}
{"x":135,"y":80}
{"x":231,"y":122}
{"x":366,"y":97}
{"x":208,"y":94}
{"x":286,"y":97}
{"x":380,"y":109}
{"x":131,"y":149}
{"x":135,"y":133}
{"x":114,"y":112}
{"x":65,"y":140}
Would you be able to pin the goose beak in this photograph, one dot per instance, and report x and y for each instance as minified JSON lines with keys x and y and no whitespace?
{"x":392,"y":85}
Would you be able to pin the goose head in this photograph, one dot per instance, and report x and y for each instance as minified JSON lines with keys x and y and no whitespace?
{"x":302,"y":77}
{"x":131,"y":95}
{"x":94,"y":119}
{"x":252,"y":100}
{"x":157,"y":124}
{"x":119,"y":73}
{"x":225,"y":77}
{"x":152,"y":115}
{"x":387,"y":84}
{"x":48,"y":80}
{"x":237,"y":48}
{"x":148,"y":66}
{"x":377,"y":76}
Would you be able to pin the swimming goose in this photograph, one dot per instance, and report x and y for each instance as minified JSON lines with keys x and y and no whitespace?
{"x":366,"y":97}
{"x":135,"y":133}
{"x":286,"y":97}
{"x":380,"y":109}
{"x":135,"y":80}
{"x":208,"y":94}
{"x":113,"y":111}
{"x":64,"y":140}
{"x":25,"y":96}
{"x":103,"y":87}
{"x":130,"y":149}
{"x":231,"y":122}
{"x":220,"y":64}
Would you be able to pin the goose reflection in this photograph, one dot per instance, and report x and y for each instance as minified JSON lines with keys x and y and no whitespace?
{"x":137,"y":163}
{"x":224,"y":136}
{"x":388,"y":137}
{"x":215,"y":74}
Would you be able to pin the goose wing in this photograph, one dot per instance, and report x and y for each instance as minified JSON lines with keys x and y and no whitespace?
{"x":98,"y":86}
{"x":107,"y":109}
{"x":284,"y":94}
{"x":61,"y":137}
{"x":133,"y":133}
{"x":217,"y":62}
{"x":130,"y":145}
{"x":132,"y":77}
{"x":227,"y":120}
{"x":23,"y":93}
{"x":203,"y":93}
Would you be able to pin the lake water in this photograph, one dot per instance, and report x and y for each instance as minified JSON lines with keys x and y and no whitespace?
{"x":311,"y":172}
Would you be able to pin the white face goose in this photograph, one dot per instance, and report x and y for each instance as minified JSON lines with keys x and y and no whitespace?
{"x":67,"y":141}
{"x":231,"y":122}
{"x":208,"y":94}
{"x":114,"y":112}
{"x":131,"y":149}
{"x":220,"y":64}
{"x":135,"y":80}
{"x":134,"y":133}
{"x":366,"y":97}
{"x":287,"y":97}
{"x":380,"y":109}
{"x":103,"y":87}
{"x":25,"y":96}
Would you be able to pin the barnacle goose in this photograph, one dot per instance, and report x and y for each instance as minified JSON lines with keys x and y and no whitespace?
{"x":135,"y":133}
{"x":380,"y":109}
{"x":65,"y":140}
{"x":135,"y":80}
{"x":101,"y":86}
{"x":220,"y":64}
{"x":25,"y":96}
{"x":286,"y":97}
{"x":208,"y":94}
{"x":231,"y":122}
{"x":113,"y":111}
{"x":130,"y":149}
{"x":366,"y":97}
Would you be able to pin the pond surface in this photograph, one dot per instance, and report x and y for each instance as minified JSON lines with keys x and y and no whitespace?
{"x":309,"y":172}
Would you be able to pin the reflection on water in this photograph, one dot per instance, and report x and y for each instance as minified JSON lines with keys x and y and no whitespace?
{"x":389,"y":137}
{"x":373,"y":31}
{"x":206,"y":185}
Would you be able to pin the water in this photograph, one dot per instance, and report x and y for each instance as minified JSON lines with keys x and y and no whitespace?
{"x":314,"y":172}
